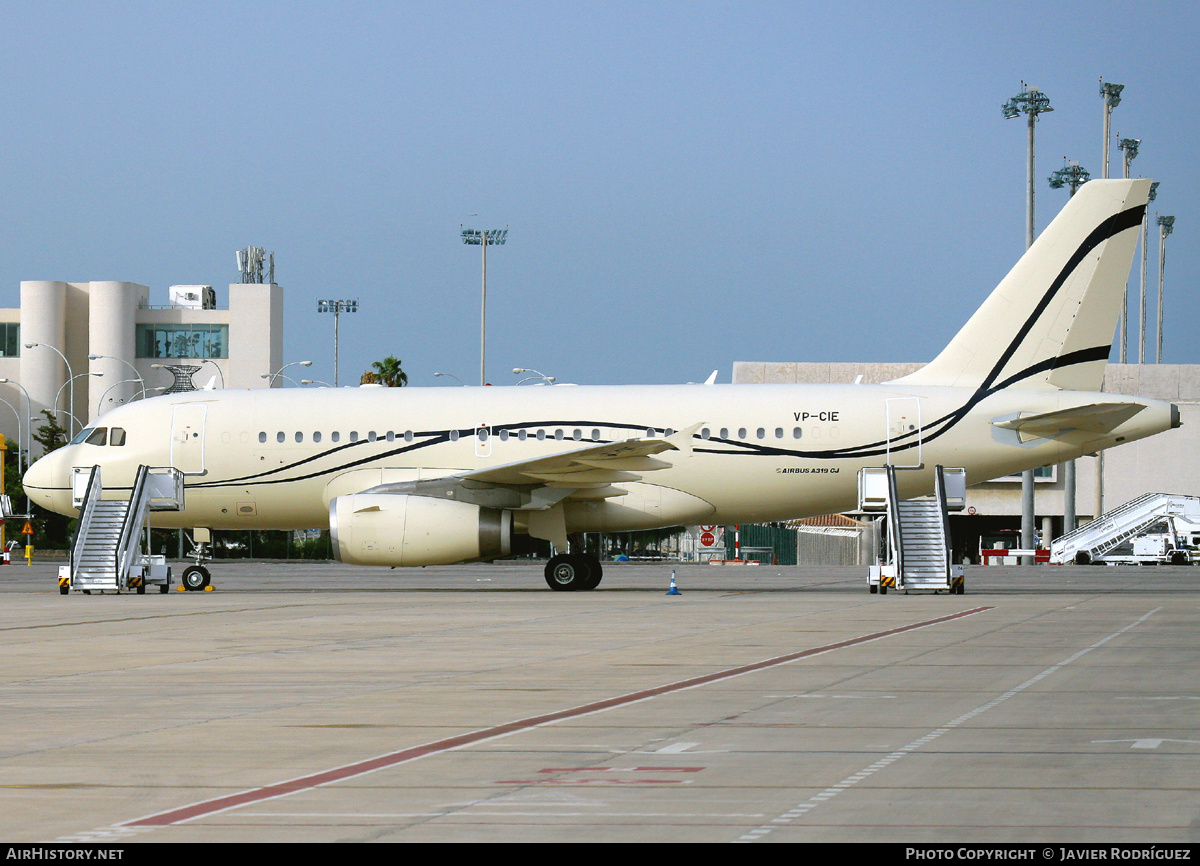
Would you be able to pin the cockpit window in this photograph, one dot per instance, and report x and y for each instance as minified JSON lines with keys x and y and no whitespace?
{"x":91,"y":436}
{"x":117,"y":436}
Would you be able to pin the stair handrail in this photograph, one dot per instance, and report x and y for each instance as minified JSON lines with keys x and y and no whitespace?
{"x":91,"y":495}
{"x":132,"y":525}
{"x":894,"y":532}
{"x":939,"y":484}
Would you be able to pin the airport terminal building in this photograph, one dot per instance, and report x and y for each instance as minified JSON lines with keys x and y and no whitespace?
{"x":1166,"y":463}
{"x":97,"y":345}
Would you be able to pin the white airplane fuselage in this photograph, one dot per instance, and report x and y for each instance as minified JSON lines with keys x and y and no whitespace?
{"x":275,"y":458}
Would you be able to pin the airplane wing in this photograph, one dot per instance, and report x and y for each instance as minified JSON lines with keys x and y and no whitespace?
{"x":590,"y":467}
{"x":1092,"y":418}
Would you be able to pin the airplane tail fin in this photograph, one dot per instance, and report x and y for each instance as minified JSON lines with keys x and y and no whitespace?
{"x":1050,"y":323}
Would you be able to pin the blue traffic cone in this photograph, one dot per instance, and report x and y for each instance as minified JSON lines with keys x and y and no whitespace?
{"x":674,"y":590}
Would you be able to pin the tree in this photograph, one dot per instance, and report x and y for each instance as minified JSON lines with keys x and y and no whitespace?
{"x":387,"y":373}
{"x":50,"y":435}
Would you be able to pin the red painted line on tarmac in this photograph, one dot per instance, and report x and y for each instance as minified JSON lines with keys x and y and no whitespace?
{"x":347,"y":771}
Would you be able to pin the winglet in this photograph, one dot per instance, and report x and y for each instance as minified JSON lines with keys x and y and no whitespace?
{"x":711,"y":379}
{"x":682,"y":441}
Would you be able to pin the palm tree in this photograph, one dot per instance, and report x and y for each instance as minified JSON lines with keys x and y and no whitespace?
{"x":388,"y":373}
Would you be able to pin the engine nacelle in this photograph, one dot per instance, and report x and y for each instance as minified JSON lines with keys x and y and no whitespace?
{"x":398,"y":529}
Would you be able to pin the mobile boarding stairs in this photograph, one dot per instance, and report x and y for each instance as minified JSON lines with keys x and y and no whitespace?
{"x":106,"y":550}
{"x":917,"y":555}
{"x":1100,"y":540}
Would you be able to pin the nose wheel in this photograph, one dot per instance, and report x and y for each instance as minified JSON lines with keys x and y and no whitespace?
{"x":195,"y":578}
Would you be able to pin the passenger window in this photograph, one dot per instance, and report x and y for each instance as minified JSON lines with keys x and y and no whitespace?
{"x":521,"y":435}
{"x":577,"y":435}
{"x":99,"y":435}
{"x":453,"y":435}
{"x":797,"y":432}
{"x":262,"y":437}
{"x":408,"y":435}
{"x":280,"y":436}
{"x":558,"y":434}
{"x":391,"y":436}
{"x":760,"y":433}
{"x":724,"y":433}
{"x":117,"y":436}
{"x":371,"y":436}
{"x":317,"y":436}
{"x":705,"y":433}
{"x":299,"y":436}
{"x":541,"y":434}
{"x":595,"y":435}
{"x":353,"y":435}
{"x":335,"y":436}
{"x":503,"y":434}
{"x":778,"y":432}
{"x":741,"y":432}
{"x":483,"y":434}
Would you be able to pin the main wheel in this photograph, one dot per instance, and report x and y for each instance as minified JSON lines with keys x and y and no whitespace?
{"x":567,"y":572}
{"x":595,"y":571}
{"x":195,"y":578}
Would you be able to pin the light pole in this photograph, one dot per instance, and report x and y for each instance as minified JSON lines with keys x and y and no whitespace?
{"x":549,"y":380}
{"x":1112,"y":98}
{"x":100,"y":402}
{"x":278,"y":372}
{"x":484,"y":238}
{"x":337,"y":308}
{"x":140,"y":380}
{"x":28,"y":417}
{"x":1032,"y":102}
{"x":1145,"y":240}
{"x":315,"y":382}
{"x":71,"y":382}
{"x":71,"y":379}
{"x":1166,"y":225}
{"x":452,"y":376}
{"x":1074,"y":175}
{"x":1129,"y":151}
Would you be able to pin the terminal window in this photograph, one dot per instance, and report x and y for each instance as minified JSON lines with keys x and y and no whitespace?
{"x":10,"y":339}
{"x":183,"y":341}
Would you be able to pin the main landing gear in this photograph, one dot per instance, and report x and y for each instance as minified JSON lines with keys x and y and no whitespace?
{"x":573,"y":571}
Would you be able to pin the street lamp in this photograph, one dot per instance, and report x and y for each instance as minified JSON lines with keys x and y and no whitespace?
{"x":70,"y":373}
{"x":100,"y":402}
{"x":28,"y":417}
{"x":315,"y":382}
{"x":337,"y":308}
{"x":278,"y":372}
{"x":537,"y":375}
{"x":71,"y":382}
{"x":452,"y":376}
{"x":483,"y":239}
{"x":1032,"y":102}
{"x":140,"y":380}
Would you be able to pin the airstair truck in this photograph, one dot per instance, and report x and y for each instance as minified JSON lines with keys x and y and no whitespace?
{"x":1154,"y":529}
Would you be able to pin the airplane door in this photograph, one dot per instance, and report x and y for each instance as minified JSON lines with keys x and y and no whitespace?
{"x":904,"y":432}
{"x":187,"y":438}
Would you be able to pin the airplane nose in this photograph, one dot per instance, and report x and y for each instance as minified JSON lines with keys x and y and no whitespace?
{"x":41,"y":480}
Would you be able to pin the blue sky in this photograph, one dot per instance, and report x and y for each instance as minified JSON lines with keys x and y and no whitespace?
{"x":685,"y":184}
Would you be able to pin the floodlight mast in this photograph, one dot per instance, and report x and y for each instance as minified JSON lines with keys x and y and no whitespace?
{"x":1032,"y":102}
{"x":1112,"y":98}
{"x":483,"y":238}
{"x":1166,"y":225}
{"x":337,"y":308}
{"x":1072,"y":175}
{"x":1129,"y":150}
{"x":1145,"y":241}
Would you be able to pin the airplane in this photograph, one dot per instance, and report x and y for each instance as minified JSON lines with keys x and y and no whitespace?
{"x":426,"y":476}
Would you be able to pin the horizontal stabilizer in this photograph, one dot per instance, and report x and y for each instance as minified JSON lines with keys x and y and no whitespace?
{"x":1092,"y":418}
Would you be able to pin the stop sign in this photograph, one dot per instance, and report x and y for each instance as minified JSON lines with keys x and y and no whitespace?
{"x":708,"y":539}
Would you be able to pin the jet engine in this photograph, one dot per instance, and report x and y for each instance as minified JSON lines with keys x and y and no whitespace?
{"x":399,"y":529}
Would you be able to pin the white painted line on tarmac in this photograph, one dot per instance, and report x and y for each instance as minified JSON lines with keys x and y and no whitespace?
{"x":828,"y":794}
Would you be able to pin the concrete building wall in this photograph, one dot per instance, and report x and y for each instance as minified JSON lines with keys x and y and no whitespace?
{"x":82,"y":319}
